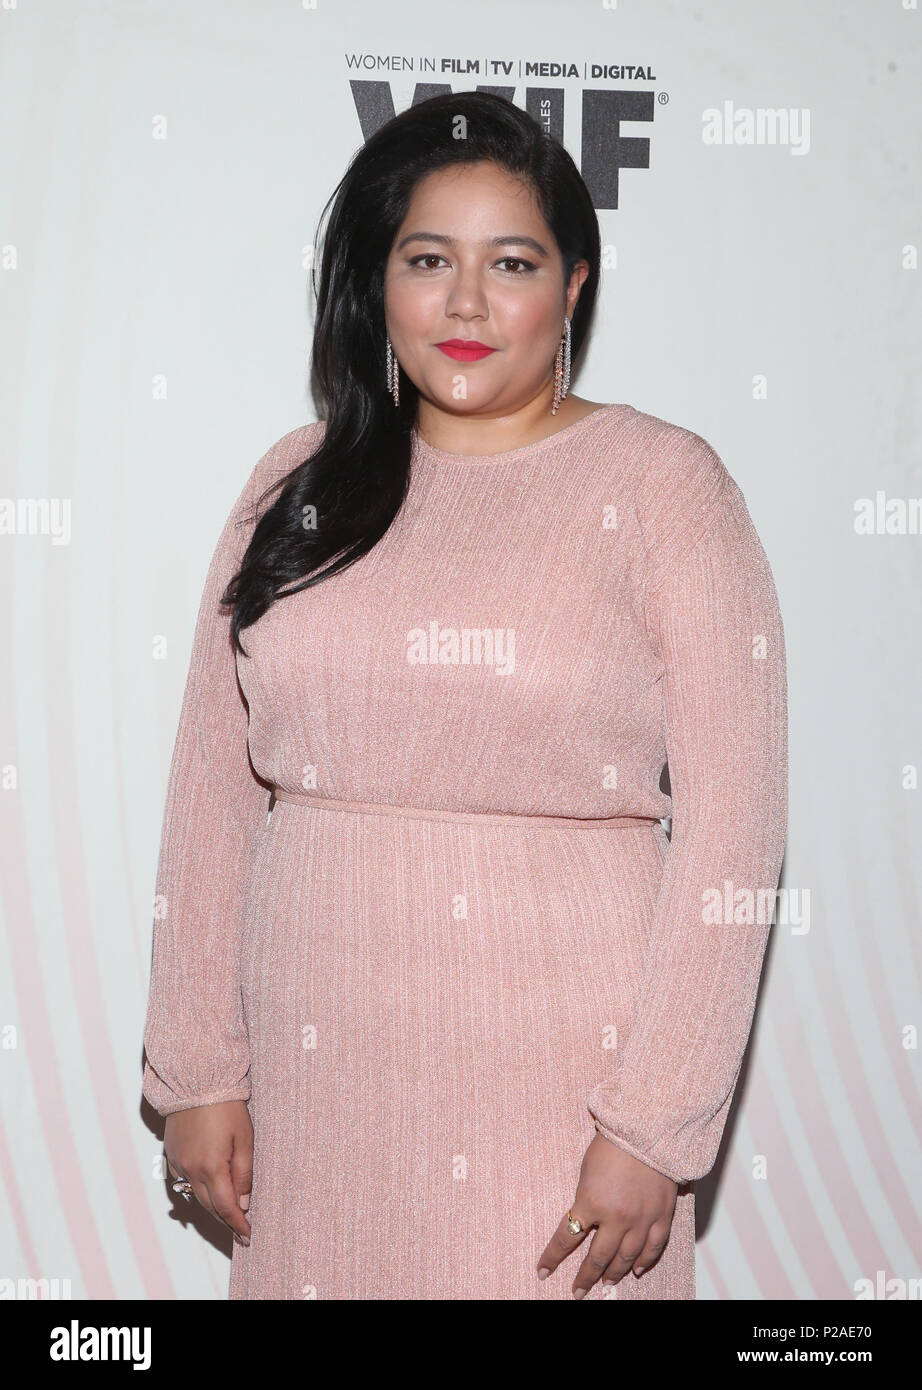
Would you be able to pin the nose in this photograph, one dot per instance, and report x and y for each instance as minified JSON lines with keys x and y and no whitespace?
{"x":466,"y":298}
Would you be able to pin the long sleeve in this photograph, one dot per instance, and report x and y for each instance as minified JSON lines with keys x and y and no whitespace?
{"x":195,"y":1038}
{"x":712,"y":614}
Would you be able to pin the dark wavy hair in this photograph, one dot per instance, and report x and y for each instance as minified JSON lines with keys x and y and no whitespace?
{"x":358,"y":477}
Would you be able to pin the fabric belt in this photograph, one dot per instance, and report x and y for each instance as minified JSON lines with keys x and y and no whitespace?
{"x":469,"y":817}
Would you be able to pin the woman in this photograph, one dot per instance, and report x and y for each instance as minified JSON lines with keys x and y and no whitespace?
{"x":447,"y":1016}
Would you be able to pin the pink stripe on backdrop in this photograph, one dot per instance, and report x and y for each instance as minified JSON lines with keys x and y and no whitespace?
{"x":38,"y":1052}
{"x":845,"y":1031}
{"x":769,"y":1126}
{"x":127,"y":1187}
{"x":14,"y":1202}
{"x":872,"y":932}
{"x":749,"y":1220}
{"x":89,"y":996}
{"x":707,"y":1261}
{"x":805,"y":1231}
{"x":809,"y":1093}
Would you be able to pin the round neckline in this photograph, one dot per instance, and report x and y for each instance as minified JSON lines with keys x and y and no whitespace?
{"x":425,"y":450}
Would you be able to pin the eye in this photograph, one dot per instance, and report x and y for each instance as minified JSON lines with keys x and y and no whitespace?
{"x":426,"y":256}
{"x":517,"y":260}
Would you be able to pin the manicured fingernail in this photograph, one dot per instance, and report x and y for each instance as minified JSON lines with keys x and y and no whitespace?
{"x":608,"y":1283}
{"x":640,"y":1271}
{"x":543,"y":1273}
{"x":579,"y":1293}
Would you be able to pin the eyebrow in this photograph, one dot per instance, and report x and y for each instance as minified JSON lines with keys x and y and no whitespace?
{"x":492,"y":241}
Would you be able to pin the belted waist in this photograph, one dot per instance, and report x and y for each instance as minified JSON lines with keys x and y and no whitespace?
{"x":470,"y":817}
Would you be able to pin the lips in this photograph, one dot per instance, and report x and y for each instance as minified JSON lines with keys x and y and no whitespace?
{"x":464,"y":350}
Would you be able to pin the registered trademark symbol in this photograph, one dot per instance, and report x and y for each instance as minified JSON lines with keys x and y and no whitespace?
{"x":663,"y":98}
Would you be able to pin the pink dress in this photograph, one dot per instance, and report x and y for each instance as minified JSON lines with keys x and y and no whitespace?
{"x":462,"y":942}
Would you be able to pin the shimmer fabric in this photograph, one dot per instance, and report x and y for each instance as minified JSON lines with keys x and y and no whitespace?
{"x":433,"y":969}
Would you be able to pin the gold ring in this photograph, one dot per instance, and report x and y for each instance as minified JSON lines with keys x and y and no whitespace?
{"x":574,"y":1226}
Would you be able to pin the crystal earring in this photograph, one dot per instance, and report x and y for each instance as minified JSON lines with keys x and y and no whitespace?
{"x":562,"y":368}
{"x":393,"y":372}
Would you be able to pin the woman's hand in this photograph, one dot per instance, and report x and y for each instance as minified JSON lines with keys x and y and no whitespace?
{"x":211,"y":1146}
{"x":632,"y":1206}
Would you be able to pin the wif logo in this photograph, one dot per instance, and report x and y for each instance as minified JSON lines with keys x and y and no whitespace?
{"x":604,"y":150}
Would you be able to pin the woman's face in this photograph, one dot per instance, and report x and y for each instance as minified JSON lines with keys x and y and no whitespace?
{"x":475,"y":260}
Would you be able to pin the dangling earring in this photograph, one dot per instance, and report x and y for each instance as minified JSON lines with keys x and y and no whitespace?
{"x":393,"y":372}
{"x":562,"y":368}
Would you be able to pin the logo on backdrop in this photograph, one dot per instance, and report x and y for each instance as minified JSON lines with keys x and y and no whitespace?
{"x":604,"y":150}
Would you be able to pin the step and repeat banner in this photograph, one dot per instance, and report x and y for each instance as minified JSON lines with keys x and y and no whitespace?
{"x":755,"y":169}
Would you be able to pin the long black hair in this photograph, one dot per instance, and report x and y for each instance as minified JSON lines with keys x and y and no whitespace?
{"x":358,"y":477}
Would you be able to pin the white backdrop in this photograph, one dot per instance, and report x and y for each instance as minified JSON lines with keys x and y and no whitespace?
{"x":162,"y":173}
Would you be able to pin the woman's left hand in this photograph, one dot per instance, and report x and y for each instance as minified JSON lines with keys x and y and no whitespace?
{"x":631,"y":1204}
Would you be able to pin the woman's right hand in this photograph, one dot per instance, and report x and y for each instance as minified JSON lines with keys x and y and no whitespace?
{"x":211,"y":1146}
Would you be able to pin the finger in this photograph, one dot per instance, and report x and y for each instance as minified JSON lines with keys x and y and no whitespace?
{"x":224,"y":1202}
{"x":656,"y":1242}
{"x":241,"y":1169}
{"x":199,"y":1184}
{"x":596,"y":1261}
{"x":202,"y":1195}
{"x":177,"y":1177}
{"x":561,"y":1244}
{"x":623,"y":1257}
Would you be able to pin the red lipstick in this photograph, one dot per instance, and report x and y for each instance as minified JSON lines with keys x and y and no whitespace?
{"x":464,"y":349}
